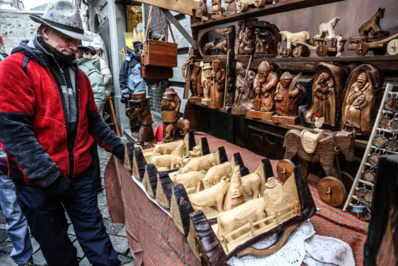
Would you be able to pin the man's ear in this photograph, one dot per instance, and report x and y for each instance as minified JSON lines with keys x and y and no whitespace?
{"x":45,"y":31}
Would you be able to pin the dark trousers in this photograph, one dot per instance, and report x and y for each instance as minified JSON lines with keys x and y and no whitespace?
{"x":48,"y":224}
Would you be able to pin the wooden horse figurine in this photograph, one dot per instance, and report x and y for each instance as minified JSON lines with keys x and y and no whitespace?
{"x":372,"y":26}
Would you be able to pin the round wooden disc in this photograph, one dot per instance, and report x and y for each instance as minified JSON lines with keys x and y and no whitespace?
{"x":284,"y":169}
{"x":297,"y":52}
{"x":362,"y":48}
{"x":392,"y":47}
{"x":304,"y":166}
{"x":321,"y":50}
{"x":286,"y":53}
{"x":332,"y":191}
{"x":347,"y":180}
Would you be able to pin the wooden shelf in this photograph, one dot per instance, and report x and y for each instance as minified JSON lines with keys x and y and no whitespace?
{"x":359,"y":143}
{"x":282,"y":6}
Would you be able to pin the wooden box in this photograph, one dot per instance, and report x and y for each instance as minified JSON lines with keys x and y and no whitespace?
{"x":161,"y":54}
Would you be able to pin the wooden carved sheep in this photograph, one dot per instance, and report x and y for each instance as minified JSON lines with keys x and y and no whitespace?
{"x":197,"y":164}
{"x":167,"y":161}
{"x":215,"y":174}
{"x":190,"y":179}
{"x":326,"y":29}
{"x":210,"y":46}
{"x":213,"y":196}
{"x":167,"y":148}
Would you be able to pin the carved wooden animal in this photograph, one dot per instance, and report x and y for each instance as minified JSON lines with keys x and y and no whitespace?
{"x":213,"y":196}
{"x":372,"y":26}
{"x":215,"y":174}
{"x":201,"y":163}
{"x":228,"y":221}
{"x":291,"y":38}
{"x":210,"y":46}
{"x":252,"y":185}
{"x":166,"y":148}
{"x":325,"y":150}
{"x":190,"y":179}
{"x":168,"y":161}
{"x":326,"y":29}
{"x":221,"y":47}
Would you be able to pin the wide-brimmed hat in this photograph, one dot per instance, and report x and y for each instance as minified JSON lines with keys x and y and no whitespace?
{"x":170,"y":90}
{"x":139,"y":97}
{"x":169,"y":96}
{"x":63,"y":16}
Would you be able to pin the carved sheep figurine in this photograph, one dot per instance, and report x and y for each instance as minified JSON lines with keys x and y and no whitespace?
{"x":167,"y":161}
{"x":197,"y":164}
{"x":190,"y":179}
{"x":213,"y":196}
{"x":215,"y":173}
{"x":167,"y":148}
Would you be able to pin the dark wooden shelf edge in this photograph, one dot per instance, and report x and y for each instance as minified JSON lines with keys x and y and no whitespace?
{"x":359,"y":143}
{"x":282,"y":6}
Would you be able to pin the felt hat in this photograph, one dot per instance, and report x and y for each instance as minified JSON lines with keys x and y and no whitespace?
{"x":63,"y":16}
{"x":137,"y":46}
{"x":139,"y":97}
{"x":169,"y":96}
{"x":170,"y":90}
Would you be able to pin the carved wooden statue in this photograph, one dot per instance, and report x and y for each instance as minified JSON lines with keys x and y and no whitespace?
{"x":217,"y":84}
{"x":244,"y":93}
{"x":196,"y":80}
{"x":198,"y":164}
{"x":215,"y":173}
{"x":371,"y":29}
{"x":206,"y":82}
{"x":234,"y":196}
{"x":216,"y":9}
{"x":267,"y":39}
{"x":231,"y":7}
{"x":210,"y":46}
{"x":288,"y":96}
{"x":327,"y":87}
{"x":140,"y":109}
{"x":213,"y":196}
{"x":214,"y":43}
{"x":166,"y":161}
{"x":190,"y":179}
{"x":248,"y":47}
{"x":326,"y":29}
{"x":264,"y":87}
{"x":274,"y":196}
{"x":364,"y":83}
{"x":292,"y":37}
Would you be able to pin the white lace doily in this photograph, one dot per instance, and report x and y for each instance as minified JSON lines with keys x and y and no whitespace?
{"x":303,"y":246}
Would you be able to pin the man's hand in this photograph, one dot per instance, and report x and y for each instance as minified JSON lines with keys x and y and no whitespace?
{"x":60,"y":189}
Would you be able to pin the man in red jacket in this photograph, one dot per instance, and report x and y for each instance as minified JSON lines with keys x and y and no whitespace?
{"x":48,"y":121}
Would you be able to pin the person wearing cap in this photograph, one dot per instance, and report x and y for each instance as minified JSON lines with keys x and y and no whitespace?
{"x":48,"y":121}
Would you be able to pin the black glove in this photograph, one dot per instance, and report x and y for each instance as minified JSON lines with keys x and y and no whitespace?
{"x":60,"y":189}
{"x":119,"y":152}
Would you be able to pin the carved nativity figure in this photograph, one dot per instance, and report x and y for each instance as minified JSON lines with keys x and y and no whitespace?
{"x":216,"y":9}
{"x":140,"y":109}
{"x":288,"y":96}
{"x":267,"y":39}
{"x":264,"y":87}
{"x":247,"y":44}
{"x":244,"y":93}
{"x":196,"y":80}
{"x":327,"y":88}
{"x":206,"y":82}
{"x":243,"y":27}
{"x":217,"y":84}
{"x":358,"y":100}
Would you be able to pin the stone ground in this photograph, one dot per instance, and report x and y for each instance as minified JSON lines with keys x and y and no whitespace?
{"x":117,"y":233}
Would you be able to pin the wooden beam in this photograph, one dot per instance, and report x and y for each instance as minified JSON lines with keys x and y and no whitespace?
{"x":182,"y":6}
{"x":184,"y":33}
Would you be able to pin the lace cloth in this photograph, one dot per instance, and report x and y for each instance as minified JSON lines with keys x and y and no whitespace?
{"x":303,"y":246}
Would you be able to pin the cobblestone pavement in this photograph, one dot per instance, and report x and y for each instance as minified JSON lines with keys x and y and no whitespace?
{"x":116,"y":232}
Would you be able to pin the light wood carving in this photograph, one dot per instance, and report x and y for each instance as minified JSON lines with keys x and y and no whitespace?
{"x":201,"y":163}
{"x":274,"y":196}
{"x":234,"y":196}
{"x":292,"y":37}
{"x":214,"y":175}
{"x":190,"y":179}
{"x":168,"y":161}
{"x":251,"y":185}
{"x":326,"y":29}
{"x":213,"y":196}
{"x":166,"y":148}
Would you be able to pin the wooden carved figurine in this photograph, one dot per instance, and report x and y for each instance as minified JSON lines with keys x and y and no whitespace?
{"x":288,"y":96}
{"x":222,"y":40}
{"x":244,"y":93}
{"x":140,"y":109}
{"x":206,"y":82}
{"x":231,"y":7}
{"x":267,"y":39}
{"x":264,"y":87}
{"x":371,"y":29}
{"x":326,"y":29}
{"x":234,"y":196}
{"x":216,"y":9}
{"x":215,"y":173}
{"x":248,"y":47}
{"x":196,"y":83}
{"x":198,"y":164}
{"x":327,"y":87}
{"x":203,"y":10}
{"x":291,"y":38}
{"x":190,"y":179}
{"x":167,"y":161}
{"x":217,"y":85}
{"x":274,"y":196}
{"x":213,"y":196}
{"x":359,"y":98}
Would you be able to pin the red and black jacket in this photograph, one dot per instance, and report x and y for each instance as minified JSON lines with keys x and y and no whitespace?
{"x":33,"y":128}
